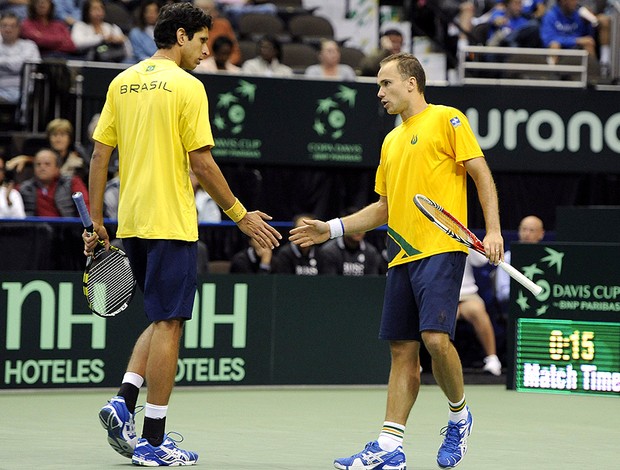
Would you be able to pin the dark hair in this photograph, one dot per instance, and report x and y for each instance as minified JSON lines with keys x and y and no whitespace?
{"x":58,"y":158}
{"x":408,"y":66}
{"x":139,"y":18}
{"x":221,"y":41}
{"x":274,"y":42}
{"x":392,"y":32}
{"x":86,"y":9}
{"x":175,"y":16}
{"x":9,"y":15}
{"x":32,"y":11}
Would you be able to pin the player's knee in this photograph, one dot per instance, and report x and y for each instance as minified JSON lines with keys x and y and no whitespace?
{"x":437,"y":343}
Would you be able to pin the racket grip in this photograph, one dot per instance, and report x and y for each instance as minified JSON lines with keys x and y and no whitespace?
{"x":78,"y":199}
{"x":520,"y":278}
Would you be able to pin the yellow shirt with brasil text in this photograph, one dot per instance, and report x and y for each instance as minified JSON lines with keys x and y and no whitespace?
{"x":155,"y":112}
{"x":425,"y":155}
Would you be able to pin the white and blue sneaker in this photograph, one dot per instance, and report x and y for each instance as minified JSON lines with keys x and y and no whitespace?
{"x":454,"y":445}
{"x":121,"y":426}
{"x":165,"y":455}
{"x":373,"y":457}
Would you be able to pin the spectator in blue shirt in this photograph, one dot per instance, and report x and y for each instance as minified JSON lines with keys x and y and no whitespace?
{"x":563,"y":28}
{"x":510,"y":27}
{"x":141,"y":36}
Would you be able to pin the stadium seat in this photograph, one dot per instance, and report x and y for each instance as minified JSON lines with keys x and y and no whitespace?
{"x":351,"y":56}
{"x":310,"y":29}
{"x":299,"y":56}
{"x":118,"y":14}
{"x":254,"y":25}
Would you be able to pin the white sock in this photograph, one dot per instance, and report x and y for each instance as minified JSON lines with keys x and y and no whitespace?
{"x":133,"y":378}
{"x":391,"y":436}
{"x":155,"y":411}
{"x":605,"y":54}
{"x":458,"y":411}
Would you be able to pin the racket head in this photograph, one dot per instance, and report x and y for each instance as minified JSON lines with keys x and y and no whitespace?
{"x":108,"y":282}
{"x":448,"y":223}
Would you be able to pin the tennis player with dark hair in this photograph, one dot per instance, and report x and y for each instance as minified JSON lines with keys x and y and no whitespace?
{"x":431,"y":153}
{"x":157,"y":115}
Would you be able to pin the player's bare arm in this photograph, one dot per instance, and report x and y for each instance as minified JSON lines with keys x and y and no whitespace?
{"x":97,"y":178}
{"x":315,"y":232}
{"x":253,"y":224}
{"x":493,"y":242}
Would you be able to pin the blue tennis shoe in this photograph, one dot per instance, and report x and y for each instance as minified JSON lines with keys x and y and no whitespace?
{"x":373,"y":457}
{"x":121,"y":426}
{"x":454,"y":445}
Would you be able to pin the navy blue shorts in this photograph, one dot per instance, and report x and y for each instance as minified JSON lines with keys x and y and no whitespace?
{"x":166,"y":273}
{"x":422,"y":295}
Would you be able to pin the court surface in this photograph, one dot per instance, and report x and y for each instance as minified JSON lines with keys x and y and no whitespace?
{"x":305,"y":428}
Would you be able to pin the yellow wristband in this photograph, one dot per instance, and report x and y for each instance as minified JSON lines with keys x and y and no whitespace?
{"x":236,"y":212}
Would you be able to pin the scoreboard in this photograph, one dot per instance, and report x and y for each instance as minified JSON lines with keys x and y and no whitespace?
{"x":566,"y":356}
{"x":566,"y":340}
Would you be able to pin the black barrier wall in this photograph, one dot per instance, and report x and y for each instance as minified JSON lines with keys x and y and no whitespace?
{"x":312,"y":122}
{"x":247,"y":330}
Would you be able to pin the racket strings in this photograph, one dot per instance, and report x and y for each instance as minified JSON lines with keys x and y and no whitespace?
{"x":110,"y":284}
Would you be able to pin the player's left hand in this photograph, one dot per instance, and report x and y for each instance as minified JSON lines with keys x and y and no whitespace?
{"x":313,"y":232}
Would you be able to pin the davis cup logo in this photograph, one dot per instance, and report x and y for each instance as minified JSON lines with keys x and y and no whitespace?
{"x":230,"y":109}
{"x":558,"y":294}
{"x":330,"y":116}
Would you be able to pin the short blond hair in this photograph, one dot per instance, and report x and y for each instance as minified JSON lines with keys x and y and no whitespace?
{"x":59,"y":125}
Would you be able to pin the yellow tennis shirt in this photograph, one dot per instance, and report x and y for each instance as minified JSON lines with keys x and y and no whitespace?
{"x":425,"y":154}
{"x":155,"y":112}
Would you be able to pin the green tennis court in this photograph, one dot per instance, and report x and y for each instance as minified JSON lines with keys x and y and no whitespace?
{"x":304,"y":428}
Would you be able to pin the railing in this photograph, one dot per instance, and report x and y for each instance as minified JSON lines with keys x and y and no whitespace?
{"x":523,"y":67}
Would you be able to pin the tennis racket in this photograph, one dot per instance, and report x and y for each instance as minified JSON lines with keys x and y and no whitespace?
{"x":455,"y":229}
{"x":108,"y":282}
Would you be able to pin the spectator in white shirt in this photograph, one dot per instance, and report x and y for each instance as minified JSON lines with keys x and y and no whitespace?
{"x":13,"y":53}
{"x":267,"y":62}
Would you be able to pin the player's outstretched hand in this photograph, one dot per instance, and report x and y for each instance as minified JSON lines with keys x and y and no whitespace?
{"x":254,"y":225}
{"x":313,"y":232}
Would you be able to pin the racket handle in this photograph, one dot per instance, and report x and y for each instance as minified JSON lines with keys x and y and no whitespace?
{"x":520,"y":278}
{"x":78,"y":199}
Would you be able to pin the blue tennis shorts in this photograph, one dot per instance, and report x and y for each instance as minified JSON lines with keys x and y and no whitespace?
{"x":422,"y":295}
{"x":166,"y":273}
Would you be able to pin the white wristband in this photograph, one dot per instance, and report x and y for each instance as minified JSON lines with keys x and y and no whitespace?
{"x":336,"y":228}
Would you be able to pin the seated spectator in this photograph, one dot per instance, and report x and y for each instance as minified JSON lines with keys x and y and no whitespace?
{"x":472,"y":309}
{"x":391,"y":42}
{"x":563,"y":28}
{"x":253,"y":260}
{"x":531,"y":230}
{"x":141,"y":36}
{"x":68,"y":11}
{"x":534,"y":9}
{"x":48,"y":193}
{"x":219,"y":59}
{"x":598,"y":14}
{"x":349,"y":255}
{"x":234,"y":9}
{"x":267,"y":62}
{"x":293,"y":259}
{"x":18,"y":7}
{"x":51,"y":35}
{"x":60,"y":137}
{"x":11,"y":203}
{"x":220,"y":27}
{"x":97,"y":40}
{"x":207,"y":208}
{"x":13,"y":53}
{"x":329,"y":65}
{"x":509,"y":27}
